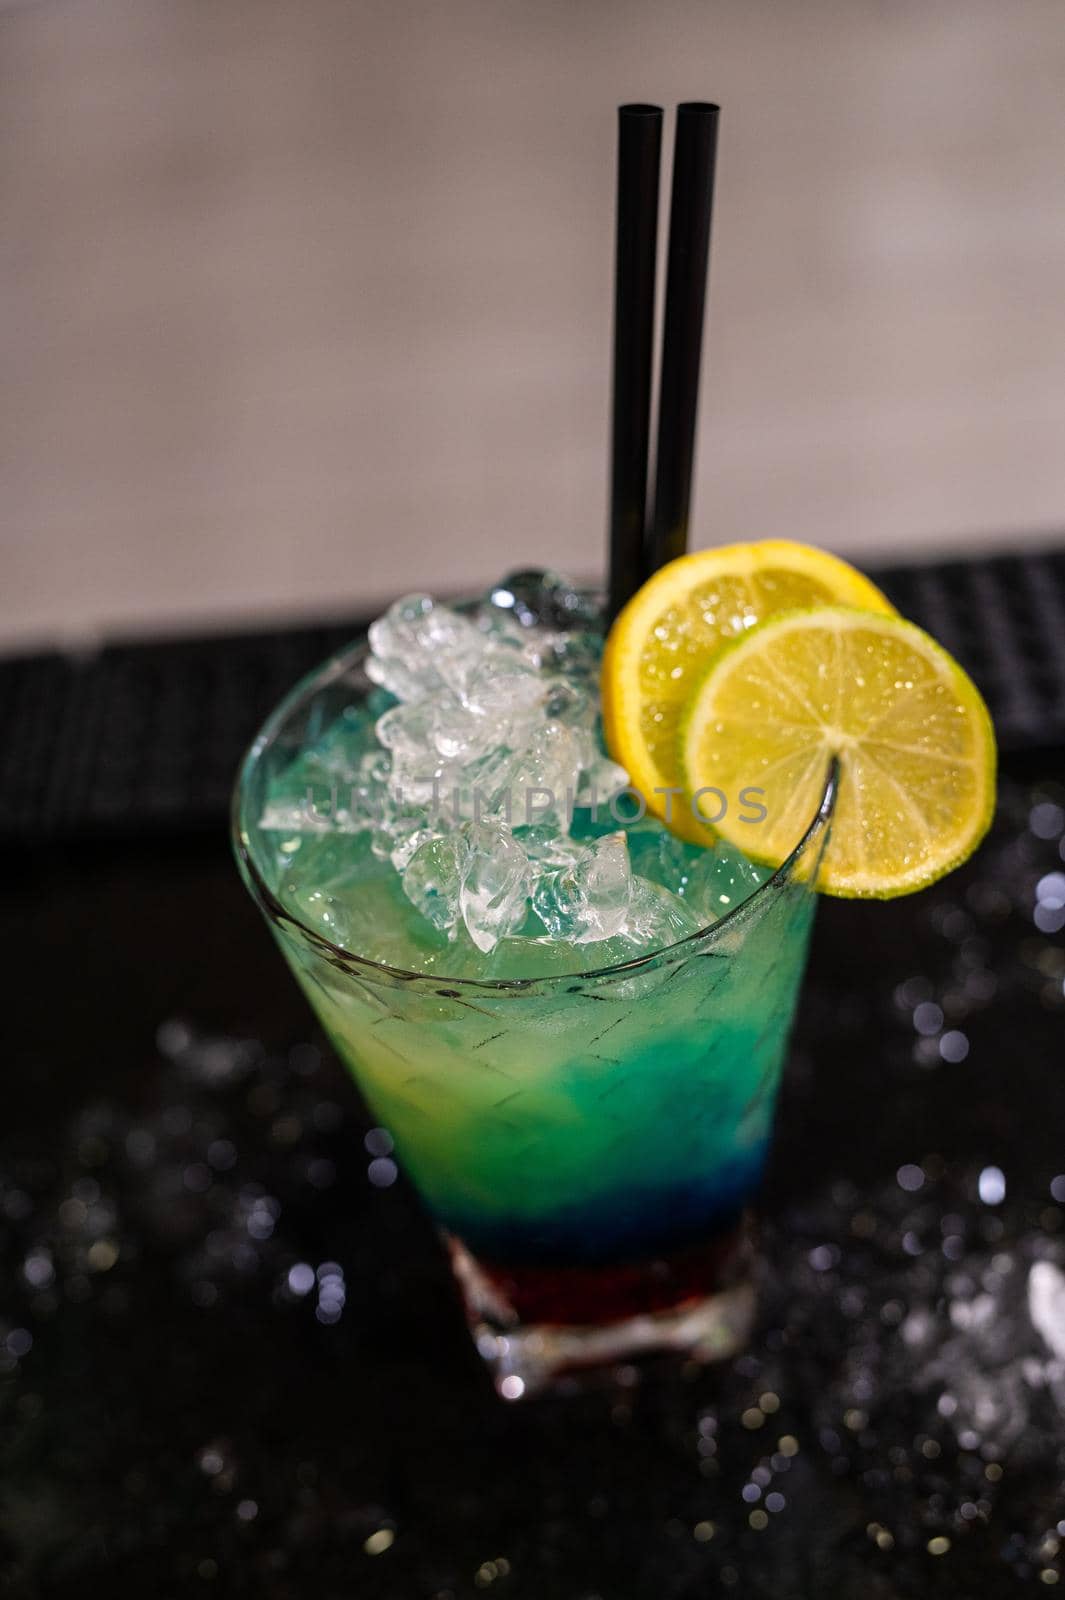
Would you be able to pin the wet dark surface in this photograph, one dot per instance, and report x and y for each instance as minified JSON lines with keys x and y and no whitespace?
{"x":231,"y":1361}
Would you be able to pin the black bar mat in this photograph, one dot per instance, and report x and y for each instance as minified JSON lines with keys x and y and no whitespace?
{"x":147,"y":737}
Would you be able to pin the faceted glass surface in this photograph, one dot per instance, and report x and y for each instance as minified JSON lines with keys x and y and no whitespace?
{"x":594,"y":1122}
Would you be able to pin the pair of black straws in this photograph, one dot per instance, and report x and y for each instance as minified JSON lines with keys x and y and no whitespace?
{"x":642,"y":541}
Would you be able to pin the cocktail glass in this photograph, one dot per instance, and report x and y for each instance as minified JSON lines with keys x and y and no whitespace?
{"x":589,"y":1145}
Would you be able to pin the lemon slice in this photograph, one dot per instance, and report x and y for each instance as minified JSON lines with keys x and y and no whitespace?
{"x":914,"y":740}
{"x":659,"y":646}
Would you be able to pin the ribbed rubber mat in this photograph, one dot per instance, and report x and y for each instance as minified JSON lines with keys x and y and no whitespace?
{"x":141,"y":737}
{"x":1004,"y":619}
{"x":147,"y":737}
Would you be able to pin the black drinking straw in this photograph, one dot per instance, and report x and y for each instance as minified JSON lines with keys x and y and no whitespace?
{"x":639,"y":147}
{"x":691,"y":204}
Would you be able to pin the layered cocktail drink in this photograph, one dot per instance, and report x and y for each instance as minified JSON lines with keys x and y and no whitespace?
{"x":571,"y":1020}
{"x":561,"y":983}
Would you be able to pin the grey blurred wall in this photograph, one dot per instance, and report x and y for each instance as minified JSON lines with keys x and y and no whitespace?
{"x":304,"y":303}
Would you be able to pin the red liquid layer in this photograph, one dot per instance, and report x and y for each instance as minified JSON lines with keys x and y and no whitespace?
{"x":579,"y":1296}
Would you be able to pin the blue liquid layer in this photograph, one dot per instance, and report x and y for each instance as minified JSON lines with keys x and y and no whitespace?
{"x":621,"y":1225}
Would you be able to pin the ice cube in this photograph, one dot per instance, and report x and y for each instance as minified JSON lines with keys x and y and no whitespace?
{"x":499,"y":708}
{"x":547,"y":848}
{"x":536,"y":597}
{"x":601,"y":779}
{"x":392,"y":814}
{"x":568,"y":702}
{"x":456,"y":733}
{"x":326,"y":913}
{"x":494,"y":894}
{"x":294,"y":817}
{"x":406,"y":729}
{"x":588,"y":901}
{"x":432,"y":879}
{"x":524,"y":595}
{"x":657,"y":917}
{"x":375,"y":768}
{"x":455,"y":646}
{"x":396,"y":662}
{"x":405,"y":842}
{"x":418,"y":647}
{"x":504,"y":686}
{"x":544,"y":779}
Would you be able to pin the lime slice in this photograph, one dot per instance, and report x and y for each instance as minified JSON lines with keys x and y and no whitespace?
{"x":914,"y":740}
{"x":660,"y":643}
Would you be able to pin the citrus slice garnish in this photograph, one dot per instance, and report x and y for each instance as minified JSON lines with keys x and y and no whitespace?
{"x":913,"y":738}
{"x":660,"y":643}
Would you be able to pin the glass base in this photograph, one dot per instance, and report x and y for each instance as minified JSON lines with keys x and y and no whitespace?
{"x":707,"y":1320}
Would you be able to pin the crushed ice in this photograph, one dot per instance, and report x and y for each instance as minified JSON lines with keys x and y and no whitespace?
{"x":487,"y":766}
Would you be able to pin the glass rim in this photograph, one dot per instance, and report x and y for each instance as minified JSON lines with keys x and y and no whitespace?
{"x":276,"y":912}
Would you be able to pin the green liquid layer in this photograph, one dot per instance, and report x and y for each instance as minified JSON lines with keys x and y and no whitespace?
{"x":600,"y":1121}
